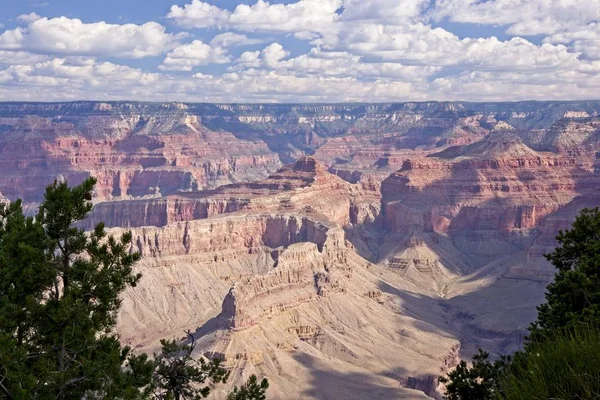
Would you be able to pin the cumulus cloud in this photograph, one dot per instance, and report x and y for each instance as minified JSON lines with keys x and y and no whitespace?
{"x":584,"y":40}
{"x":330,"y":64}
{"x":20,"y":58}
{"x":353,"y":50}
{"x":74,"y":37}
{"x":304,"y":15}
{"x":390,"y":11}
{"x":270,"y":57}
{"x":28,"y":18}
{"x":422,"y":44}
{"x":523,"y":17}
{"x":198,"y":14}
{"x":194,"y":54}
{"x":232,"y":39}
{"x":63,"y":77}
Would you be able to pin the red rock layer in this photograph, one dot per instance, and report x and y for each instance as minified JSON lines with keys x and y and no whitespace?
{"x":304,"y":187}
{"x":165,"y":156}
{"x":481,"y":194}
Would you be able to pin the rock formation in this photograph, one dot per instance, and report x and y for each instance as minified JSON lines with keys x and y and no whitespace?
{"x":304,"y":186}
{"x":343,"y":251}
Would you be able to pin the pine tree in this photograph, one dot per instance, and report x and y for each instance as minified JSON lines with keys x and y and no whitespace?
{"x":481,"y":381}
{"x":24,"y":280}
{"x":251,"y":390}
{"x":59,"y":297}
{"x":571,"y":312}
{"x":178,"y":375}
{"x":573,"y":298}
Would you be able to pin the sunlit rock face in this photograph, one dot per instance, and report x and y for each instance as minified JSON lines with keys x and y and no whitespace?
{"x":344,"y":251}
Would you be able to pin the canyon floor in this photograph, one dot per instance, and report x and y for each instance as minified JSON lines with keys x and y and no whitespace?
{"x":341,"y":251}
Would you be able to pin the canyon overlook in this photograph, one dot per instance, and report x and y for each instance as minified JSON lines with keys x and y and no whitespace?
{"x":343,"y":251}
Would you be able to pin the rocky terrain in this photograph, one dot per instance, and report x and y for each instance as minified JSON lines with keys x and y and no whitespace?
{"x":343,"y":251}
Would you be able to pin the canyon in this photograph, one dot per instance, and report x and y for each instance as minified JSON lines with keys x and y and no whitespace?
{"x":344,"y":251}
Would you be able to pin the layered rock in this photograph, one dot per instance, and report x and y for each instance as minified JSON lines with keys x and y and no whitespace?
{"x":131,"y":156}
{"x":305,"y":270}
{"x":354,"y":272}
{"x":536,"y":265}
{"x":219,"y":250}
{"x":154,"y":149}
{"x":577,"y":133}
{"x":304,"y":186}
{"x":496,"y":185}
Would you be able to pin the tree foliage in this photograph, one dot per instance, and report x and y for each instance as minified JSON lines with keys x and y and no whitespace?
{"x":251,"y":390}
{"x":565,"y":365}
{"x":555,"y":342}
{"x":60,"y":293}
{"x":180,"y":376}
{"x":573,"y":298}
{"x":478,"y":382}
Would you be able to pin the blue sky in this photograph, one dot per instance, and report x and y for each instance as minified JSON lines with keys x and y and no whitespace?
{"x":300,"y":51}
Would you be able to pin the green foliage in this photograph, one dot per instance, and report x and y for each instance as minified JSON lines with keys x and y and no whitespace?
{"x":60,"y":293}
{"x":479,"y":382}
{"x":562,"y":355}
{"x":564,"y":366}
{"x":179,"y":376}
{"x":573,"y":299}
{"x":59,"y":297}
{"x":251,"y":390}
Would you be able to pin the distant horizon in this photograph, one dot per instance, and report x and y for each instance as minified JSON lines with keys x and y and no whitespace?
{"x":295,"y":104}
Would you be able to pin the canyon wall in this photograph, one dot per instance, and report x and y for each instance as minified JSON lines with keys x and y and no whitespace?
{"x":340,"y":250}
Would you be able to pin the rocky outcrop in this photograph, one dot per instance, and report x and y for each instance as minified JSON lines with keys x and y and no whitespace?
{"x":156,"y":149}
{"x":303,"y":187}
{"x":303,"y":272}
{"x":577,"y":133}
{"x":131,"y":156}
{"x":161,"y":212}
{"x":501,"y":186}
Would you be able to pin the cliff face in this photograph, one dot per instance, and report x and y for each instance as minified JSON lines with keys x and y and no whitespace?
{"x":490,"y":198}
{"x":130,"y":155}
{"x":153,"y":149}
{"x":303,"y":187}
{"x":490,"y":194}
{"x":413,"y":234}
{"x":292,"y":290}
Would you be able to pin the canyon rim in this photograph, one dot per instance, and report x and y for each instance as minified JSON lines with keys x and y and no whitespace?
{"x":344,"y":251}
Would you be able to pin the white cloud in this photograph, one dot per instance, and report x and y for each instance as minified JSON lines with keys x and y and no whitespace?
{"x":28,"y":18}
{"x":232,"y":39}
{"x":304,"y":15}
{"x":62,"y":79}
{"x":360,"y":50}
{"x":188,"y":56}
{"x":584,"y":40}
{"x":330,"y":64}
{"x":72,"y":36}
{"x":20,"y":58}
{"x":198,"y":14}
{"x":573,"y":23}
{"x":249,"y":59}
{"x":389,"y":11}
{"x":420,"y":44}
{"x":272,"y":54}
{"x":270,"y":57}
{"x":524,"y":17}
{"x":79,"y":77}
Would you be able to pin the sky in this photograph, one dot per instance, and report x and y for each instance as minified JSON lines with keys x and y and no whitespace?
{"x":299,"y":51}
